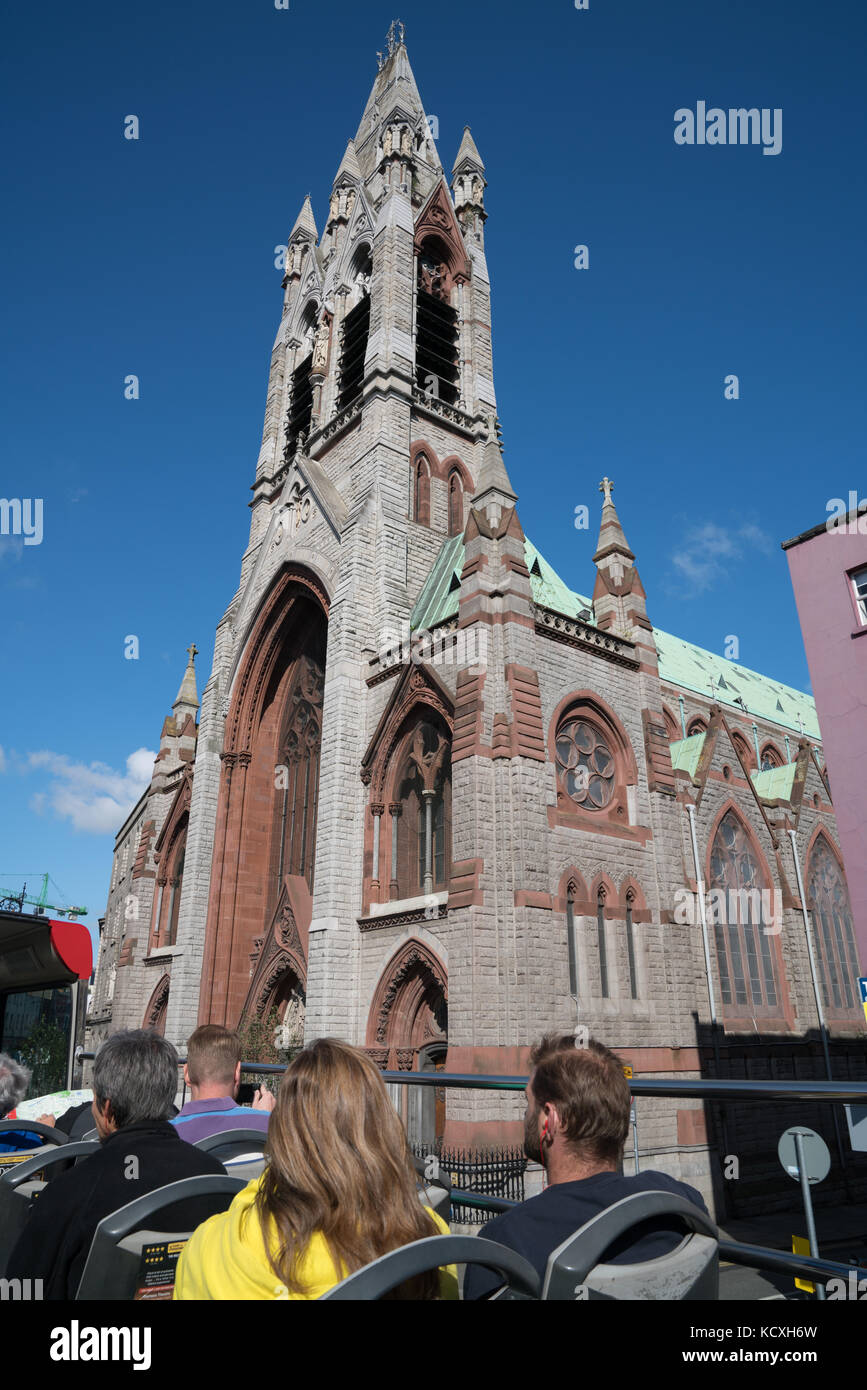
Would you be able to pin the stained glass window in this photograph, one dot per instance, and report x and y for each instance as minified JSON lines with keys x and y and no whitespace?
{"x":833,"y":932}
{"x":744,"y":953}
{"x":586,"y":765}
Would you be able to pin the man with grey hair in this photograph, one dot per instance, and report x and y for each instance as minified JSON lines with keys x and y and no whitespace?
{"x":14,"y":1080}
{"x":135,"y":1076}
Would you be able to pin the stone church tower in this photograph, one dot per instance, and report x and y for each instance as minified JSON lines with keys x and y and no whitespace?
{"x":440,"y":802}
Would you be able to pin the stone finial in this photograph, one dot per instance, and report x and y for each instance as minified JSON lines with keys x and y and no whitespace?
{"x":187,"y":697}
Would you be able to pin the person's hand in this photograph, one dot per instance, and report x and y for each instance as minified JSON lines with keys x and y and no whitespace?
{"x":45,"y":1120}
{"x":264,"y":1100}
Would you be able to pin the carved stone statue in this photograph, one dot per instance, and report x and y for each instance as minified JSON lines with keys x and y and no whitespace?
{"x":320,"y":350}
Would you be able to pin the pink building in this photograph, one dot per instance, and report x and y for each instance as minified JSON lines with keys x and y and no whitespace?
{"x":828,"y":566}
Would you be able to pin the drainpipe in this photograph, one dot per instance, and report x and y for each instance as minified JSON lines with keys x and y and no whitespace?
{"x":823,"y":1028}
{"x":682,"y":715}
{"x":788,"y":749}
{"x":699,"y":880}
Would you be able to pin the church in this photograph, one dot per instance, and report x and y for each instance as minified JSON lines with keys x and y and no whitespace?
{"x":436,"y":801}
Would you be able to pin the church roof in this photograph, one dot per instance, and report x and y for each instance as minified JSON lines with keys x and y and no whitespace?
{"x":775,"y":783}
{"x":685,"y":753}
{"x":680,"y":663}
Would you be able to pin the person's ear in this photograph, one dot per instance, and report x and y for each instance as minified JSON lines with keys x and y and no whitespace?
{"x":237,"y":1074}
{"x":186,"y":1075}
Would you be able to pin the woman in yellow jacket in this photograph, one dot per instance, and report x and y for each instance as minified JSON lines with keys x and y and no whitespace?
{"x":338,"y":1190}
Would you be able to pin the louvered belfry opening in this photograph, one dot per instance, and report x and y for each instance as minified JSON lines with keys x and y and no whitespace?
{"x":356,"y":327}
{"x":436,"y":350}
{"x":301,"y":408}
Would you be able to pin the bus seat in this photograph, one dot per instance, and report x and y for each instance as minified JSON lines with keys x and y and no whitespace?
{"x":521,"y":1282}
{"x":19,"y":1185}
{"x":691,"y":1271}
{"x":128,"y":1259}
{"x":241,"y":1151}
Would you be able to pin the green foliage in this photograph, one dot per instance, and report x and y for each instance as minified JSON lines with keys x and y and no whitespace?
{"x":258,"y":1045}
{"x":44,"y":1053}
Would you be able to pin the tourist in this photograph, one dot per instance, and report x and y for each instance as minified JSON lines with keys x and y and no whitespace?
{"x":135,"y":1077}
{"x":576,"y":1123}
{"x":213,"y":1073}
{"x":338,"y":1191}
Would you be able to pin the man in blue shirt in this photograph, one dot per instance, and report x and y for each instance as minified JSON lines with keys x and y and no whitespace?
{"x":577,"y":1120}
{"x":213,"y":1073}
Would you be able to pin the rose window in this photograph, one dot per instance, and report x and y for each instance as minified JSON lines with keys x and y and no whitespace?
{"x":586,"y":765}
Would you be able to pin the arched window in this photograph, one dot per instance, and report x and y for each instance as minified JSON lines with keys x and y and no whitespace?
{"x":456,"y":503}
{"x":585,"y":764}
{"x":355,"y":330}
{"x":747,"y":756}
{"x":748,"y":975}
{"x":833,"y":930}
{"x":570,"y":941}
{"x":301,"y":390}
{"x":421,"y":811}
{"x":421,"y":508}
{"x":176,"y":883}
{"x":603,"y":948}
{"x":672,"y":728}
{"x":696,"y":726}
{"x":771,"y":757}
{"x":297,"y":772}
{"x":436,"y":349}
{"x":630,"y":946}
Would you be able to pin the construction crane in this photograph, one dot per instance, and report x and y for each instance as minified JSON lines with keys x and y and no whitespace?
{"x":14,"y":902}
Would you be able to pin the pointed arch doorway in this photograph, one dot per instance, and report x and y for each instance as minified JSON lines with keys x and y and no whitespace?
{"x":408,"y":1031}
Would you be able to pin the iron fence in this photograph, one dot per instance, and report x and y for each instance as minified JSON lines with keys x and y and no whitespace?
{"x":497,"y":1172}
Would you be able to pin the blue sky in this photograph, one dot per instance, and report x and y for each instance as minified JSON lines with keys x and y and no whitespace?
{"x":156,"y":257}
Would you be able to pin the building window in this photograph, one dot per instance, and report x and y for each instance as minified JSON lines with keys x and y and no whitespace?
{"x":421,"y":508}
{"x":696,"y":726}
{"x":421,"y":813}
{"x":748,"y":981}
{"x":744,"y":751}
{"x":436,"y":348}
{"x":570,"y":943}
{"x":771,"y":757}
{"x":297,"y":777}
{"x":833,"y":931}
{"x":859,"y":590}
{"x":456,"y":503}
{"x":630,"y":951}
{"x":603,"y":953}
{"x":176,"y":881}
{"x":355,"y":331}
{"x":586,"y":764}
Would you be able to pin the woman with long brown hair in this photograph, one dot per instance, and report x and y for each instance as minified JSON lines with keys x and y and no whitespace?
{"x":339,"y":1190}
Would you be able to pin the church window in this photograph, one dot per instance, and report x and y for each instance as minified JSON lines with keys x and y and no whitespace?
{"x":297,"y":787}
{"x":630,"y":950}
{"x":770,"y":758}
{"x":301,"y":389}
{"x":355,"y":331}
{"x":744,"y":751}
{"x":603,"y":952}
{"x":421,"y":509}
{"x":176,"y":882}
{"x":456,"y":503}
{"x":422,"y":812}
{"x":748,"y":981}
{"x":586,"y":764}
{"x":436,"y":352}
{"x":696,"y":726}
{"x":570,"y":942}
{"x":833,"y":931}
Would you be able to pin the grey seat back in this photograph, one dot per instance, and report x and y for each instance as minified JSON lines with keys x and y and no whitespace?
{"x":241,"y":1151}
{"x":691,"y":1271}
{"x":19,"y":1185}
{"x":381,"y":1276}
{"x":129,"y":1258}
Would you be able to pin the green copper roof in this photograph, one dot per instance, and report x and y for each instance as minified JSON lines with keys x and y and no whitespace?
{"x":686,"y":752}
{"x":776,"y":783}
{"x":680,"y":663}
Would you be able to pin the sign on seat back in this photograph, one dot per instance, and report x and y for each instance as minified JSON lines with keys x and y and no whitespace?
{"x":129,"y":1259}
{"x":691,"y":1271}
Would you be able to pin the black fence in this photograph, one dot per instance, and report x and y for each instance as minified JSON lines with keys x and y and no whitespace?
{"x":492,"y":1172}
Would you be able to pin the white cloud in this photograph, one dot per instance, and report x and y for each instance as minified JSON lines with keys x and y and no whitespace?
{"x":707,"y":551}
{"x":93,"y":796}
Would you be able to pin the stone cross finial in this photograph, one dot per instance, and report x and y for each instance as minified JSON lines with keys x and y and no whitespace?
{"x":801,"y":727}
{"x":712,"y":683}
{"x":193,"y":651}
{"x":606,"y":486}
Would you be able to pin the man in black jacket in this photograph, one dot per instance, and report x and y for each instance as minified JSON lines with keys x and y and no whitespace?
{"x":135,"y":1076}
